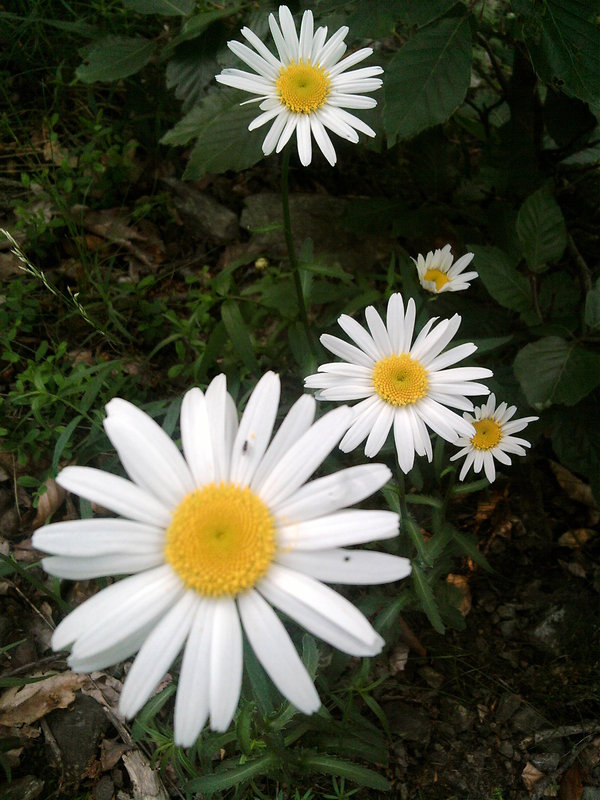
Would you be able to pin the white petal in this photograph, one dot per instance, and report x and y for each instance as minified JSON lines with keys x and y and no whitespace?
{"x":403,"y":438}
{"x":275,"y":651}
{"x":195,"y":437}
{"x":317,"y":44}
{"x":116,"y":494}
{"x":380,"y":430}
{"x":191,"y":703}
{"x":358,"y":567}
{"x":304,"y":140}
{"x":355,"y":526}
{"x":81,"y":568}
{"x":346,"y":351}
{"x":378,"y":332}
{"x":291,"y":123}
{"x":306,"y":36}
{"x":322,"y":139}
{"x":303,"y":458}
{"x":112,"y":655}
{"x":329,"y":53}
{"x":225,"y":663}
{"x":258,"y":63}
{"x":107,"y":601}
{"x":488,"y":466}
{"x":360,"y":336}
{"x":148,"y":465}
{"x":351,"y":60}
{"x":272,"y":137}
{"x":362,"y":423}
{"x":320,"y":610}
{"x":261,"y":47}
{"x":395,"y":322}
{"x":98,"y":537}
{"x":342,"y":100}
{"x":330,"y":117}
{"x":262,"y":119}
{"x":222,"y":416}
{"x":451,"y":357}
{"x":288,"y":28}
{"x":255,"y":429}
{"x":285,"y":55}
{"x":250,"y":83}
{"x":157,"y":654}
{"x":118,"y":623}
{"x":297,"y":421}
{"x":333,"y":492}
{"x":352,"y":120}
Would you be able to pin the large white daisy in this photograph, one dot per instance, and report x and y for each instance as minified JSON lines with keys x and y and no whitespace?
{"x":404,"y":385}
{"x":306,"y":88}
{"x":438,"y":274}
{"x":493,"y":438}
{"x":216,"y":537}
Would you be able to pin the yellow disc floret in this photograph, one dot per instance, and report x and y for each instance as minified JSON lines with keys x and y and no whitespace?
{"x":488,"y":434}
{"x":302,"y":87}
{"x":438,"y":277}
{"x":221,"y":540}
{"x":400,"y":380}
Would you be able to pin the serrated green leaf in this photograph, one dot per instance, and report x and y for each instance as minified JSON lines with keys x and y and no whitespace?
{"x":428,"y":78}
{"x":231,"y":776}
{"x":114,"y":57}
{"x":563,"y":39}
{"x":238,"y":333}
{"x":541,"y":230}
{"x":553,"y":370}
{"x":346,"y":769}
{"x":223,"y":140}
{"x":500,"y":277}
{"x":469,"y":546}
{"x":425,"y":594}
{"x":167,"y":8}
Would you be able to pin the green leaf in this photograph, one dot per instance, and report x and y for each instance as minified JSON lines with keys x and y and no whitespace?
{"x":238,"y":333}
{"x":500,"y":277}
{"x":468,"y":544}
{"x":428,"y":78}
{"x":425,"y":595}
{"x":592,"y":307}
{"x":63,"y":441}
{"x":541,"y":230}
{"x":230,"y":776}
{"x":563,"y":39}
{"x":575,"y":436}
{"x":195,"y":26}
{"x":223,"y":140}
{"x":552,"y":370}
{"x":346,"y":769}
{"x":114,"y":57}
{"x":420,"y":12}
{"x":168,"y":8}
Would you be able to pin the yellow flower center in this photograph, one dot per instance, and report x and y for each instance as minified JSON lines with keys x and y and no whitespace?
{"x":438,"y":277}
{"x":400,"y":380}
{"x":488,"y":434}
{"x":221,"y":540}
{"x":303,"y":87}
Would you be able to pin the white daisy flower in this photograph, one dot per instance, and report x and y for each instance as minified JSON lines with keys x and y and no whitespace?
{"x":437,"y":273}
{"x":216,"y":537}
{"x":400,"y":384}
{"x":306,"y":88}
{"x":493,"y":438}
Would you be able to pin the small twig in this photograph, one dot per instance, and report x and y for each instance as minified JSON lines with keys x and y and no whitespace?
{"x":540,"y":787}
{"x":587,"y":728}
{"x":410,"y":637}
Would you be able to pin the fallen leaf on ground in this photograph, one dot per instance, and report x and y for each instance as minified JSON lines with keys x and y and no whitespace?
{"x":49,"y":502}
{"x":576,"y":537}
{"x":146,"y":782}
{"x":574,"y":487}
{"x":461,"y":583}
{"x":571,"y":786}
{"x":530,"y":776}
{"x":21,"y":705}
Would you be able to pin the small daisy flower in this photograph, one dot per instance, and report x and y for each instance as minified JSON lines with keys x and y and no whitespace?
{"x":404,"y":385}
{"x":214,"y":539}
{"x":306,"y":88}
{"x":493,"y":438}
{"x":437,"y":273}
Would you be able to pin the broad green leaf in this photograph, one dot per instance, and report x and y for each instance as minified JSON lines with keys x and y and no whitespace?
{"x":196,"y":26}
{"x":428,"y":78}
{"x":500,"y":277}
{"x":553,"y":370}
{"x":168,"y":8}
{"x":346,"y":769}
{"x":420,"y":12}
{"x":563,"y":39}
{"x":575,"y":436}
{"x":231,"y":775}
{"x":239,"y":334}
{"x":541,"y":230}
{"x":425,"y":595}
{"x":223,"y":140}
{"x":114,"y":57}
{"x":592,"y":307}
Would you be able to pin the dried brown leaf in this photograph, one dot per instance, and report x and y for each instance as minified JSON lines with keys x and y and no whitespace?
{"x":576,"y":537}
{"x":461,"y":583}
{"x":530,"y":776}
{"x":49,"y":502}
{"x":574,"y":487}
{"x":146,"y":781}
{"x":571,"y":786}
{"x":21,"y":705}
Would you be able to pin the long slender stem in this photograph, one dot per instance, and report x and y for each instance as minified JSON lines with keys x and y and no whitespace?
{"x":289,"y":240}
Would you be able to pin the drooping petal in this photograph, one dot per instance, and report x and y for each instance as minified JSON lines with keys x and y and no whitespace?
{"x":194,"y":677}
{"x":354,"y":526}
{"x":225,"y":663}
{"x":358,"y":567}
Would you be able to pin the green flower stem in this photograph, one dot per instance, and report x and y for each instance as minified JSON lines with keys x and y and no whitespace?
{"x":289,"y":240}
